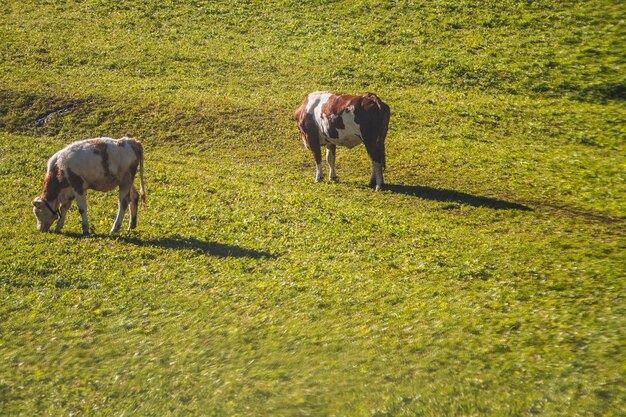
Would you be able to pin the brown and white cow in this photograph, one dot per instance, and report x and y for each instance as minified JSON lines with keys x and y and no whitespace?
{"x":94,"y":164}
{"x":331,"y":120}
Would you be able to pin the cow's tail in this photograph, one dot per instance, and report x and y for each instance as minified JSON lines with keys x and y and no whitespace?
{"x":142,"y":188}
{"x":382,"y":131}
{"x":138,"y":148}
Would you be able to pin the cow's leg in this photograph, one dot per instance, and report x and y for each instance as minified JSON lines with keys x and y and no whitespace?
{"x":62,"y":212}
{"x":81,"y":202}
{"x":122,"y":204}
{"x":311,"y":140}
{"x":330,"y":159}
{"x":377,"y":156}
{"x":134,"y":204}
{"x":317,"y":155}
{"x":377,"y":175}
{"x":319,"y":174}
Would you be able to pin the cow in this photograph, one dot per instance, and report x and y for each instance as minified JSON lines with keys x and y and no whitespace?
{"x":94,"y":164}
{"x":331,"y":120}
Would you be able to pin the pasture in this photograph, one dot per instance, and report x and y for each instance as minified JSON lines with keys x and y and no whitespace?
{"x":486,"y":279}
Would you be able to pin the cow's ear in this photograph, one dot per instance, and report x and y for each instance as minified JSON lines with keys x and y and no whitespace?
{"x":38,"y":202}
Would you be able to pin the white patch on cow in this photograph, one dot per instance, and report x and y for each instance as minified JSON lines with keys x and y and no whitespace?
{"x":316,"y":101}
{"x":351,"y":135}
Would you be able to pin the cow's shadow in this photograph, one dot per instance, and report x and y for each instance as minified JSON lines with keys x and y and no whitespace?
{"x":201,"y":247}
{"x":452,"y":196}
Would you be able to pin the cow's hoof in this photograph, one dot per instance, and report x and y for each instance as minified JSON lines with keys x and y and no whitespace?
{"x":379,"y":187}
{"x":333,"y":179}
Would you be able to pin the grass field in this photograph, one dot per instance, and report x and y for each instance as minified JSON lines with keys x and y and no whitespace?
{"x":487,"y":279}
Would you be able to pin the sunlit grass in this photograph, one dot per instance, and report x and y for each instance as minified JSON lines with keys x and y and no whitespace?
{"x":487,"y":279}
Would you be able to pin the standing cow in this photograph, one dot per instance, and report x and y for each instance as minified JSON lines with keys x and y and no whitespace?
{"x":95,"y":164}
{"x":326,"y":119}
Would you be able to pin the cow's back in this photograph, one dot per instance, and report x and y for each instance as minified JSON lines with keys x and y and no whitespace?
{"x":100,"y":163}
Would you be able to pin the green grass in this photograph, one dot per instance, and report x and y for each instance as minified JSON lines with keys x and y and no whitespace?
{"x":487,"y":279}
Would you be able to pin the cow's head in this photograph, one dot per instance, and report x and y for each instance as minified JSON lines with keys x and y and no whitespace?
{"x":44,"y":213}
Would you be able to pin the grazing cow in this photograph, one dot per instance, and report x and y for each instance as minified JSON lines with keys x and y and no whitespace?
{"x":326,"y":119}
{"x":95,"y":164}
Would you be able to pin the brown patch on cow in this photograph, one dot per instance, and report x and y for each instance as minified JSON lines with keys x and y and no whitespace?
{"x":75,"y":181}
{"x":54,"y":182}
{"x":100,"y":148}
{"x":300,"y":116}
{"x":371,"y":100}
{"x":300,"y":112}
{"x":337,"y":104}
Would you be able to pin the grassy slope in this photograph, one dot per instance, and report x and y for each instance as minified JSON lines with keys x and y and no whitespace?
{"x":487,"y":280}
